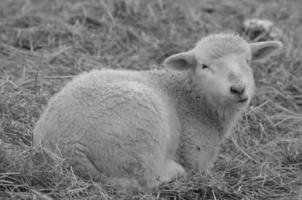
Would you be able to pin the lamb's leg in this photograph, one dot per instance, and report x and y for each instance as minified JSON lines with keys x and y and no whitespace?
{"x":170,"y":171}
{"x":82,"y":164}
{"x":85,"y":169}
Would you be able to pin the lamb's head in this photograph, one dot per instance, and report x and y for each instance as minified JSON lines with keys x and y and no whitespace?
{"x":219,"y":66}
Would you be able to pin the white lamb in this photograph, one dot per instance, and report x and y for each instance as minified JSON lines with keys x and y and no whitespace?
{"x":153,"y":126}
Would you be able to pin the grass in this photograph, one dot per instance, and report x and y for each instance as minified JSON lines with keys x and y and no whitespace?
{"x":43,"y":44}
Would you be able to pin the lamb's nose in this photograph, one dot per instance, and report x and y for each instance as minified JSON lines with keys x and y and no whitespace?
{"x":237,"y":89}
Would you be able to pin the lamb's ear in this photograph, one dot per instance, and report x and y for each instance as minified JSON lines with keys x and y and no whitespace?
{"x":261,"y":51}
{"x":181,"y":61}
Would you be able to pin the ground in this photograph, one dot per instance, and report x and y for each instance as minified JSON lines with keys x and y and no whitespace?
{"x":43,"y":44}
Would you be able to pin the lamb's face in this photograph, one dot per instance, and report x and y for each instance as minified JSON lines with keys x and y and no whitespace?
{"x":227,"y":80}
{"x":220,"y":66}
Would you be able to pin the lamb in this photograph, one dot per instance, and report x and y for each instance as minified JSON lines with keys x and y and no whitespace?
{"x":151,"y":127}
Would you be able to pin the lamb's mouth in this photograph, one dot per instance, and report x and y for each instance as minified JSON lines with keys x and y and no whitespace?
{"x":243,"y":100}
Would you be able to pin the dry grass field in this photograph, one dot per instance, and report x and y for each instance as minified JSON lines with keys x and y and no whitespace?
{"x":44,"y":43}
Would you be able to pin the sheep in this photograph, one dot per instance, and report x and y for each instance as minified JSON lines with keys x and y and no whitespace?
{"x":150,"y":127}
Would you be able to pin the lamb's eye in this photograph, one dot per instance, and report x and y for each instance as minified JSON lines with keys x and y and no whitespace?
{"x":204,"y":66}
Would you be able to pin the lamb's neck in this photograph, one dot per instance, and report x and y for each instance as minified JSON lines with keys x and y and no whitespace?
{"x":200,"y":107}
{"x":228,"y":118}
{"x":224,"y":118}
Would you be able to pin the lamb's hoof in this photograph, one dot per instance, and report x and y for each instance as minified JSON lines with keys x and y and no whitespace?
{"x":171,"y":170}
